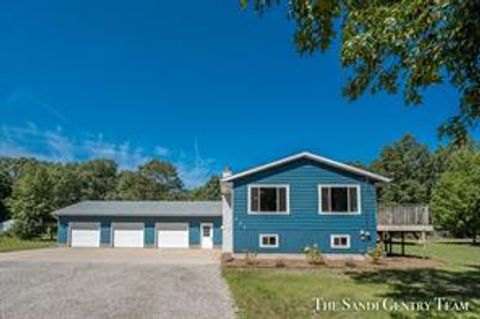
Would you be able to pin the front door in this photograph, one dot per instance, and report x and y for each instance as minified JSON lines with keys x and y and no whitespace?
{"x":206,"y":233}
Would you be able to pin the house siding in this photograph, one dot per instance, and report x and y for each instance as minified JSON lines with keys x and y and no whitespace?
{"x":149,"y":228}
{"x":303,"y":225}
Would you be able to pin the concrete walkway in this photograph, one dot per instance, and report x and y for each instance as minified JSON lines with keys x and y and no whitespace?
{"x":68,"y":283}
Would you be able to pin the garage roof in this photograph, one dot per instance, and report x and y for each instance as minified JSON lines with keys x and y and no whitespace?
{"x":142,"y":208}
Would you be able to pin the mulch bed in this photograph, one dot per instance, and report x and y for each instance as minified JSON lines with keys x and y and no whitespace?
{"x":395,"y":262}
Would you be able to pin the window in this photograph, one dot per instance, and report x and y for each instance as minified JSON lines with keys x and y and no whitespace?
{"x":340,"y":241}
{"x":268,"y":241}
{"x":271,"y":199}
{"x":339,"y":199}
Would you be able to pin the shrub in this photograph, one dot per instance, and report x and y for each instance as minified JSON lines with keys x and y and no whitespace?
{"x":376,"y":253}
{"x":280,"y":263}
{"x":314,"y":255}
{"x":251,"y":257}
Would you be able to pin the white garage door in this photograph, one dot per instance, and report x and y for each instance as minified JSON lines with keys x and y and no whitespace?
{"x":128,"y":235}
{"x":172,"y":235}
{"x":85,"y":235}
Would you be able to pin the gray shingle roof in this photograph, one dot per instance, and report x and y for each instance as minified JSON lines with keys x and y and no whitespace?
{"x":142,"y":208}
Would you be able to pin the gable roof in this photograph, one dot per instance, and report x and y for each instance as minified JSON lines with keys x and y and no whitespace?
{"x":142,"y":208}
{"x":313,"y":157}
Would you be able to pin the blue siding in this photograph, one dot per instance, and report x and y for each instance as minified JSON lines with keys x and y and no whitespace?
{"x":62,"y":231}
{"x":303,"y":226}
{"x":149,"y":227}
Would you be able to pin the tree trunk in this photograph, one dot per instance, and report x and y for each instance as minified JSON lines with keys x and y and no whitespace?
{"x":474,"y":241}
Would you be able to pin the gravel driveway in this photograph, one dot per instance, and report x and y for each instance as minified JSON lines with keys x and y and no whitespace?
{"x":112,"y":283}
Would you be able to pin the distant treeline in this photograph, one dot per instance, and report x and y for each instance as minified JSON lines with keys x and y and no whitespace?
{"x":30,"y":189}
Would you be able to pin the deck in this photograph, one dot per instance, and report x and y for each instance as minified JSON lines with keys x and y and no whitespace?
{"x":396,"y":220}
{"x":403,"y":218}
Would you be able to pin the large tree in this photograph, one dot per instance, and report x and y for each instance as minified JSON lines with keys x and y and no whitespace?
{"x":32,"y":201}
{"x":456,"y":197}
{"x":155,"y":180}
{"x":398,"y":45}
{"x":98,"y":178}
{"x":209,"y":191}
{"x":10,"y":169}
{"x":133,"y":186}
{"x":165,"y":177}
{"x":410,"y":164}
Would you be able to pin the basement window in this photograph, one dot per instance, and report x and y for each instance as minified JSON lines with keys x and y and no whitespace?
{"x":340,"y":241}
{"x":268,"y":241}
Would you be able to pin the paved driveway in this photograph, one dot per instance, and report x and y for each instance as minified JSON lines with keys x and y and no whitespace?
{"x":112,"y":283}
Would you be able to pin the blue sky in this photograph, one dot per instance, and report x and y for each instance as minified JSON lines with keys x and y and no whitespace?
{"x":199,"y":83}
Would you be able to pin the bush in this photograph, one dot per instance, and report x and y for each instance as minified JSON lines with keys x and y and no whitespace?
{"x":27,"y":229}
{"x":251,"y":257}
{"x":314,"y":255}
{"x":376,"y":253}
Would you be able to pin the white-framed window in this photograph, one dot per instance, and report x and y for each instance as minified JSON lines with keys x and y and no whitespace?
{"x":339,"y":199}
{"x":340,"y":241}
{"x":268,"y":240}
{"x":268,"y":199}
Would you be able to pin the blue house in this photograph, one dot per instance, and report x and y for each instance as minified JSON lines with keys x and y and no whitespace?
{"x":301,"y":200}
{"x":279,"y":207}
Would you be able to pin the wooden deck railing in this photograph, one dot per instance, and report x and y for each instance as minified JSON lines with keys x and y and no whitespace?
{"x":405,"y":214}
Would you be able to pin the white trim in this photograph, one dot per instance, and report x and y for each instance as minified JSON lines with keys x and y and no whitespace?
{"x":287,"y":203}
{"x":260,"y":240}
{"x":313,"y":157}
{"x":332,"y":241}
{"x":359,"y":199}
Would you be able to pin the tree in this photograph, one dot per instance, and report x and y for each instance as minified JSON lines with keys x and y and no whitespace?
{"x":31,"y":202}
{"x":164,"y":177}
{"x":456,"y":197}
{"x":98,"y":178}
{"x":5,"y":191}
{"x":209,"y":191}
{"x":10,"y":169}
{"x":409,"y":164}
{"x":133,"y":186}
{"x":67,"y":185}
{"x":391,"y":44}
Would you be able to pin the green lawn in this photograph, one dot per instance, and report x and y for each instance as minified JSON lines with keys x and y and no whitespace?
{"x":12,"y":244}
{"x":284,"y":293}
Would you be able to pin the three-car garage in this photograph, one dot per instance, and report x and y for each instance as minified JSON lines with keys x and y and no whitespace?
{"x":150,"y":224}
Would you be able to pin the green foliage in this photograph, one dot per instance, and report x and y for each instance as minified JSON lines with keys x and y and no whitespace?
{"x":98,"y":178}
{"x":209,"y":191}
{"x":164,"y":180}
{"x":456,"y":197}
{"x":10,"y":169}
{"x":156,"y":180}
{"x":398,"y":45}
{"x":376,"y":253}
{"x":314,"y":255}
{"x":32,"y":202}
{"x":409,"y":164}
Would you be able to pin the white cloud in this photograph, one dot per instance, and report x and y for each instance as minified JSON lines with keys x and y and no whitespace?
{"x":54,"y":145}
{"x":162,"y":151}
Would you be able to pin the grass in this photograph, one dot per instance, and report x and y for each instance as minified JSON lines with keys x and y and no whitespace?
{"x":287,"y":293}
{"x":8,"y":244}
